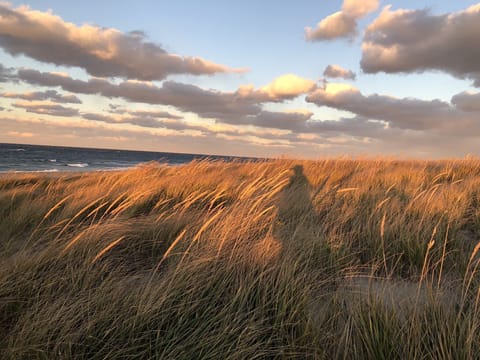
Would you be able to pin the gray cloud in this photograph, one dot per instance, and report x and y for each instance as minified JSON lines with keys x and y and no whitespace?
{"x":6,"y":74}
{"x":403,"y":113}
{"x":342,"y":24}
{"x":393,"y":142}
{"x":90,"y":87}
{"x":46,"y":109}
{"x":325,"y":131}
{"x":336,"y":71}
{"x":357,"y":127}
{"x":145,"y":122}
{"x":294,"y":121}
{"x":100,"y":117}
{"x":377,"y":116}
{"x":118,"y":109}
{"x":467,"y":101}
{"x":230,"y":107}
{"x":242,"y":107}
{"x":148,"y":119}
{"x":154,"y":114}
{"x":206,"y":103}
{"x":245,"y":107}
{"x":103,"y":52}
{"x":186,"y":97}
{"x":51,"y":95}
{"x":417,"y":41}
{"x":84,"y":134}
{"x":303,"y":123}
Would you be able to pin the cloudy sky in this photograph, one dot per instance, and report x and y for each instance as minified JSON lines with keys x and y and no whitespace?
{"x":256,"y":78}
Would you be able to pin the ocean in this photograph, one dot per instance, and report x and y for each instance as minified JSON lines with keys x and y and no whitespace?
{"x":39,"y":158}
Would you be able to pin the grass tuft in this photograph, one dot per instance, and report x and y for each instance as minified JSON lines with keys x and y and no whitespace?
{"x":338,"y":258}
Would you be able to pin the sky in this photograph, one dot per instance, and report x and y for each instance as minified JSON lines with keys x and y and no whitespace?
{"x":302,"y":79}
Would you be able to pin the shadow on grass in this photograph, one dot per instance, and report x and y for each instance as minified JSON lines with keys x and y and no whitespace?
{"x":296,"y":213}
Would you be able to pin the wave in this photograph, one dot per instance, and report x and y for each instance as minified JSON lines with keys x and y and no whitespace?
{"x":19,"y":149}
{"x":52,"y":160}
{"x":79,"y":165}
{"x":47,"y":170}
{"x":123,"y":168}
{"x":33,"y":171}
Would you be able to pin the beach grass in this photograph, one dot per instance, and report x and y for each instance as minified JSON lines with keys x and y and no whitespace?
{"x":281,"y":259}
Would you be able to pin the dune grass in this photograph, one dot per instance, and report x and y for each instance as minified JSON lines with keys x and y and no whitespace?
{"x":364,"y":259}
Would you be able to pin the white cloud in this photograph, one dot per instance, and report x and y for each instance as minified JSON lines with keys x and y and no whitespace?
{"x":337,"y":25}
{"x":342,"y":24}
{"x":359,"y":8}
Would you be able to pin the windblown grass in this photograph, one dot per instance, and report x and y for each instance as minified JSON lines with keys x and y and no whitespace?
{"x":368,"y":259}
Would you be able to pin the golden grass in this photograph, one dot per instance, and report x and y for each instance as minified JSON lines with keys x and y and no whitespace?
{"x":243,"y":260}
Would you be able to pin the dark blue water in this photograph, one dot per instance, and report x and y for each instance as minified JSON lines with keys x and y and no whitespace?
{"x":15,"y":157}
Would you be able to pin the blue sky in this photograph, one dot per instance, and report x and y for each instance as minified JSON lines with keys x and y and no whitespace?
{"x":269,"y":39}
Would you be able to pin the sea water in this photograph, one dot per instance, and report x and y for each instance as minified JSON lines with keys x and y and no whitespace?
{"x":39,"y":158}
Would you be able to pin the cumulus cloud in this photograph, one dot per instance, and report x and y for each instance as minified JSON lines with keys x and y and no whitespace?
{"x":154,"y":114}
{"x":51,"y":95}
{"x":88,"y":133}
{"x":53,"y":79}
{"x":102,"y":52}
{"x":101,"y":117}
{"x":285,"y":87}
{"x":232,"y":141}
{"x":6,"y":74}
{"x":358,"y":9}
{"x":140,"y":121}
{"x":288,"y":86}
{"x":46,"y":108}
{"x":417,"y":41}
{"x":288,"y":126}
{"x":269,"y":135}
{"x":402,"y":113}
{"x":294,"y":120}
{"x":189,"y":98}
{"x":337,"y":25}
{"x":142,"y":118}
{"x":241,"y":107}
{"x":240,"y":141}
{"x":375,"y":116}
{"x":336,"y":71}
{"x":357,"y":126}
{"x":342,"y":24}
{"x":230,"y":107}
{"x":117,"y":109}
{"x":467,"y":101}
